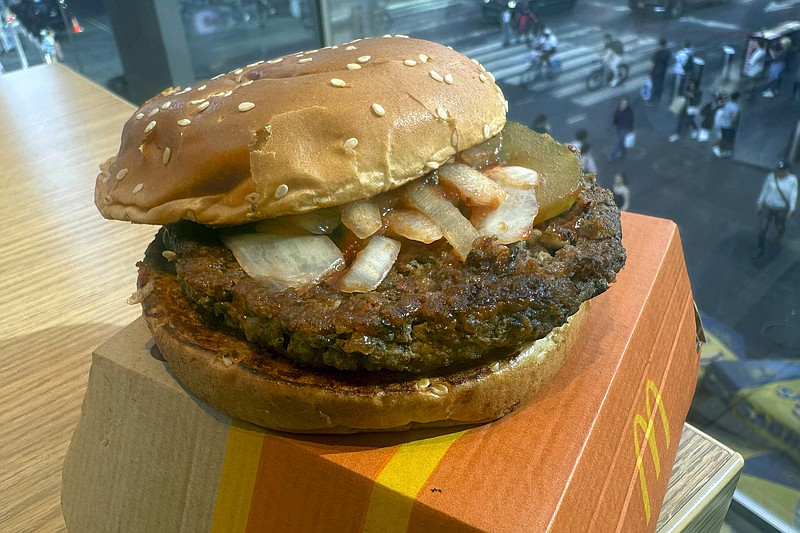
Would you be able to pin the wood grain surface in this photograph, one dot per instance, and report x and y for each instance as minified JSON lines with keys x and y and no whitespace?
{"x":66,"y":273}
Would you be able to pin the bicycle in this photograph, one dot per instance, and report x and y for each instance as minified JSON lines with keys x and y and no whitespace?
{"x":540,"y":68}
{"x":602,"y":76}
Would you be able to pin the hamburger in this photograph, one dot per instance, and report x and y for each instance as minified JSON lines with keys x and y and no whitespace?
{"x":355,"y":239}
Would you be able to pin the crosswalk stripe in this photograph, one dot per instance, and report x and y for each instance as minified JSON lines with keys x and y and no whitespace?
{"x":580,"y":51}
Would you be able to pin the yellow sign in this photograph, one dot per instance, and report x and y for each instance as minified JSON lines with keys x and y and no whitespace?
{"x":647,"y":425}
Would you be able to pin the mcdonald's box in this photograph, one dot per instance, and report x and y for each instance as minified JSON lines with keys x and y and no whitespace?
{"x":592,"y":452}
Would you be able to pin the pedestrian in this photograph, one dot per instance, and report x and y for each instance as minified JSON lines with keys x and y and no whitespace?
{"x":792,"y":70}
{"x":707,"y":113}
{"x":692,"y":97}
{"x":623,"y":122}
{"x":775,"y":69}
{"x":682,"y":67}
{"x":775,"y":204}
{"x":50,"y":47}
{"x":581,"y":136}
{"x":506,"y":31}
{"x":659,"y":62}
{"x":754,"y":68}
{"x":541,"y":124}
{"x":726,"y":119}
{"x":622,"y":193}
{"x":587,"y":159}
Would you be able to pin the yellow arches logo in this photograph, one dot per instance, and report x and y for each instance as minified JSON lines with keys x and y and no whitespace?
{"x":646,"y":424}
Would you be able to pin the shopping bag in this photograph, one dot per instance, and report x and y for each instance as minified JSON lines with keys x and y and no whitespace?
{"x":630,"y":139}
{"x":677,"y":105}
{"x":647,"y":89}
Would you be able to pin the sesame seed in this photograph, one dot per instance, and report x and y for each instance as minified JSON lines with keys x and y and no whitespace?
{"x":203,"y":105}
{"x":435,"y":75}
{"x":122,"y":173}
{"x":306,"y":60}
{"x":353,"y":66}
{"x":336,"y":82}
{"x":483,"y":69}
{"x":202,"y":88}
{"x":138,"y":188}
{"x":486,"y":131}
{"x":378,"y":110}
{"x":432,"y":165}
{"x":482,"y":77}
{"x":454,"y":139}
{"x":448,"y":79}
{"x":505,"y":104}
{"x":490,"y":75}
{"x":423,"y":58}
{"x":253,"y":197}
{"x":246,"y":83}
{"x":169,"y":255}
{"x":227,"y":360}
{"x":313,"y":51}
{"x":364,"y":59}
{"x":246,"y":106}
{"x":139,"y":116}
{"x":423,"y":383}
{"x":236,"y":72}
{"x":335,"y":47}
{"x":218,"y":76}
{"x":350,"y":143}
{"x":474,"y":60}
{"x":401,"y":36}
{"x":184,"y":122}
{"x":388,"y":35}
{"x":152,"y":112}
{"x":410,"y":63}
{"x":166,"y":105}
{"x":281,"y":191}
{"x":351,"y":47}
{"x":165,"y":155}
{"x":254,"y":64}
{"x":273,"y":61}
{"x":442,"y":113}
{"x":150,"y":127}
{"x":198,"y":101}
{"x":227,"y":93}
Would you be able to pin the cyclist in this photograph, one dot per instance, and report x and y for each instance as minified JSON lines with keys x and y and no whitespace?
{"x":547,"y":45}
{"x":612,"y":57}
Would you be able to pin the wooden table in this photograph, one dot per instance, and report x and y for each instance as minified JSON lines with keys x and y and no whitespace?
{"x":65,"y":275}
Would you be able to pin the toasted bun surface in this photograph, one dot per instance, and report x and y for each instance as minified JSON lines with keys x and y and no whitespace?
{"x":234,"y":376}
{"x":316,"y":129}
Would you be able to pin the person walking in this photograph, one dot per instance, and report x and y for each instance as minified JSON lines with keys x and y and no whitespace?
{"x":622,"y":193}
{"x":50,"y":47}
{"x":624,"y":124}
{"x":682,"y":67}
{"x":587,"y":159}
{"x":725,"y":120}
{"x":506,"y":31}
{"x":659,"y":62}
{"x":707,"y":113}
{"x":692,"y":97}
{"x":775,"y":69}
{"x":754,"y":68}
{"x":776,"y":203}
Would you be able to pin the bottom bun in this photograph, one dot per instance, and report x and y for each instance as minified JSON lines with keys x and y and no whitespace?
{"x":248,"y":383}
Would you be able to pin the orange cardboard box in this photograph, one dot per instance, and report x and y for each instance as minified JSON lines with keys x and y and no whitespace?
{"x":592,"y":452}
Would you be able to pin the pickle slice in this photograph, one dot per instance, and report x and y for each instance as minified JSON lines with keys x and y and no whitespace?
{"x":559,"y":168}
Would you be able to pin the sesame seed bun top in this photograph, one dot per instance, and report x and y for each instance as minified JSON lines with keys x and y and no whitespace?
{"x":300,"y":132}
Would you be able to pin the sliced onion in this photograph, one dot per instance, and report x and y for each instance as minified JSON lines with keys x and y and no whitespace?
{"x":472,"y":186}
{"x":371,"y":265}
{"x":319,"y":222}
{"x":513,"y":176}
{"x":362,"y":218}
{"x":288,"y":260}
{"x":413,"y":225}
{"x":512,"y":220}
{"x":430,"y":200}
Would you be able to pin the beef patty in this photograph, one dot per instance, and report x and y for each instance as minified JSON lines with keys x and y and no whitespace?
{"x":429,"y":312}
